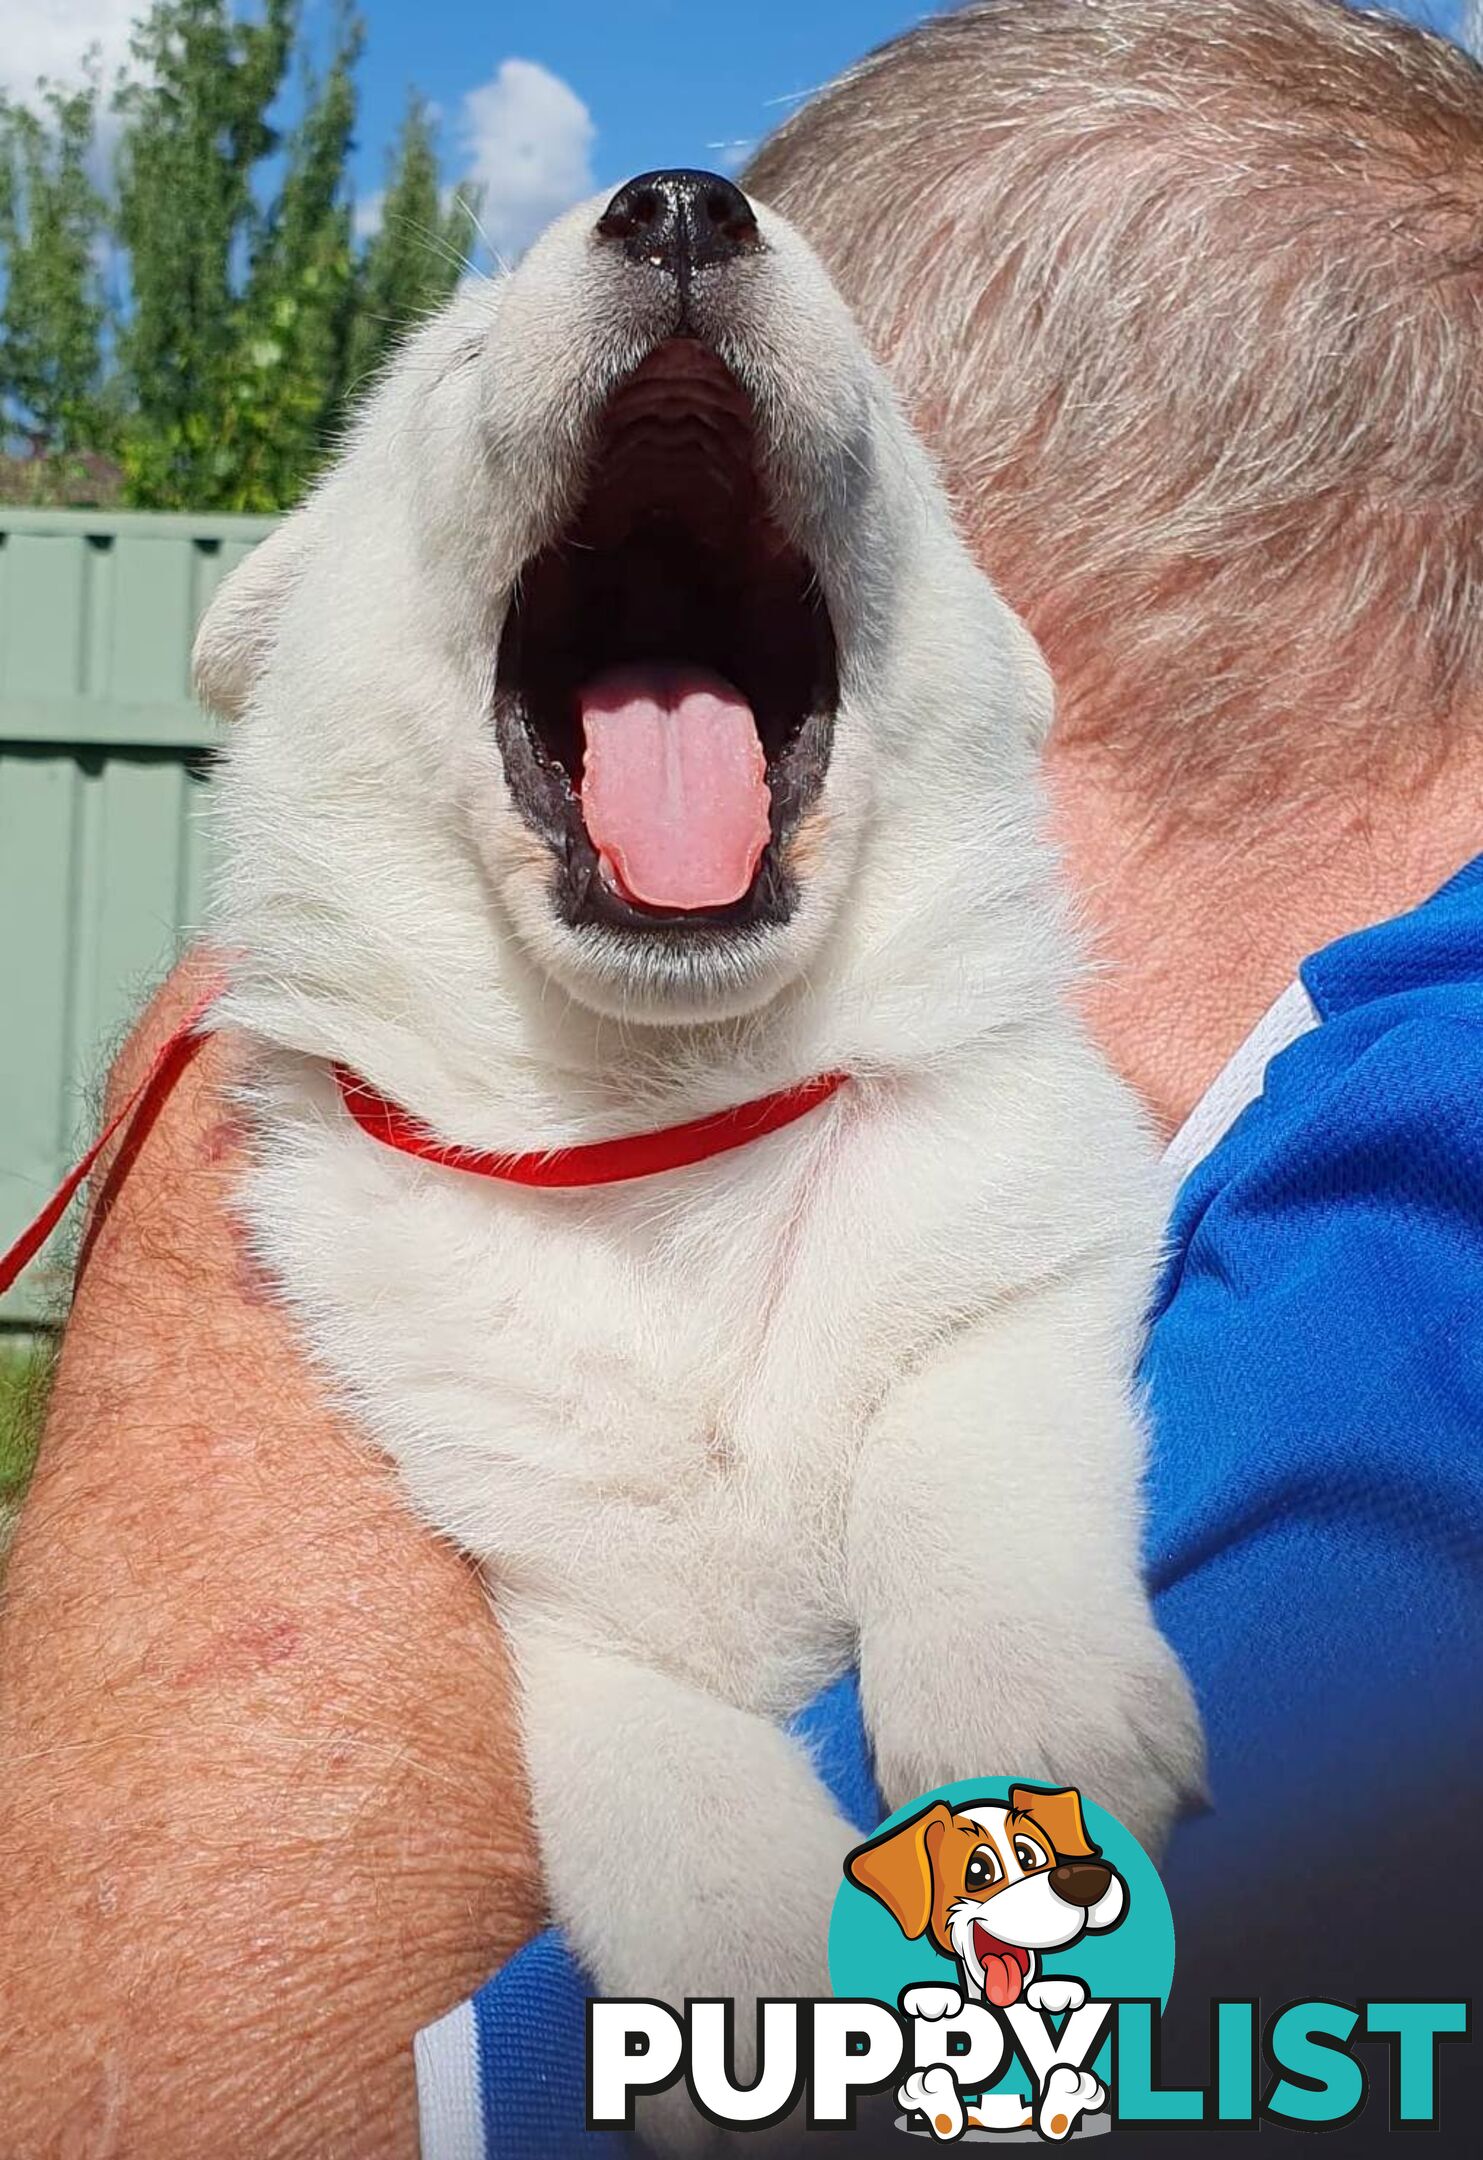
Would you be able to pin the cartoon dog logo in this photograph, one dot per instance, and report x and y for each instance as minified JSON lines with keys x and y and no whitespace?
{"x":994,"y":1886}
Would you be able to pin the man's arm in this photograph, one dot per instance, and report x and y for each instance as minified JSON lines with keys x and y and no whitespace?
{"x":261,"y":1810}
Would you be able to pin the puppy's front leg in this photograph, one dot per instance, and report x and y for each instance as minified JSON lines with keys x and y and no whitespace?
{"x":994,"y":1566}
{"x":688,"y":1846}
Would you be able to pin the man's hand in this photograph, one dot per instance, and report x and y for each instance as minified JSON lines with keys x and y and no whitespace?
{"x":261,"y":1810}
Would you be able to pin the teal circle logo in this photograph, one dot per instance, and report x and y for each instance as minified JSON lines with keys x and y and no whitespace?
{"x":1017,"y":1898}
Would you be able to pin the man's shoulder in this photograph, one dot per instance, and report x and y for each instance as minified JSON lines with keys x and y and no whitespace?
{"x":1381,"y":1099}
{"x":1314,"y":1344}
{"x":1432,"y":955}
{"x":1315,"y":1376}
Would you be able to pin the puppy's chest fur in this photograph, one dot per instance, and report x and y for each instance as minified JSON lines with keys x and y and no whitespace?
{"x":639,"y":1405}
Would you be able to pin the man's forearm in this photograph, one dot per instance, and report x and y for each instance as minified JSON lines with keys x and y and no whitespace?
{"x":260,"y":1810}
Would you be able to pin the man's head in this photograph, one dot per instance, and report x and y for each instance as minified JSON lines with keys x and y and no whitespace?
{"x":1188,"y":301}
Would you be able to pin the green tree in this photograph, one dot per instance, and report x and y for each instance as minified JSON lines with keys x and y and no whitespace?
{"x":196,"y":130}
{"x":418,"y":252}
{"x":246,"y":317}
{"x":287,"y":389}
{"x":52,"y":222}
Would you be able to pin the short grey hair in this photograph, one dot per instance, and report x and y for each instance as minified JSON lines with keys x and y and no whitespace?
{"x":1188,"y":298}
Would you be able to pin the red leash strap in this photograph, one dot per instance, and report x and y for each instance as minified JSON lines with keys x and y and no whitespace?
{"x":599,"y":1162}
{"x":134,"y":1119}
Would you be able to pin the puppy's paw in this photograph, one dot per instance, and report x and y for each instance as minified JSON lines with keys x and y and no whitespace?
{"x":931,"y":2002}
{"x":670,"y":2125}
{"x":1069,"y":2094}
{"x":934,"y":2093}
{"x":1097,"y":1701}
{"x":1145,"y":1755}
{"x":771,"y":1945}
{"x":1055,"y":1995}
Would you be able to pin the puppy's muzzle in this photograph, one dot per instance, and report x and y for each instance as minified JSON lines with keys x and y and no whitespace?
{"x":1081,"y":1882}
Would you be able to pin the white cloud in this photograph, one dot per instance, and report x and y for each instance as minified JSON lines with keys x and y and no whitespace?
{"x":366,"y":216}
{"x":53,"y":37}
{"x":526,"y":139}
{"x":1472,"y":25}
{"x":729,"y":157}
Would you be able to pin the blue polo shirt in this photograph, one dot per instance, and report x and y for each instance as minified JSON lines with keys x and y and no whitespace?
{"x":1314,"y":1366}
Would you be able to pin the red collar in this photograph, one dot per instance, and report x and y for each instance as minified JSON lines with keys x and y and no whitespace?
{"x":598,"y":1162}
{"x":602,"y":1162}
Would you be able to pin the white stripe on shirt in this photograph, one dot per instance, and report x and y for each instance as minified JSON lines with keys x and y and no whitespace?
{"x":1240,"y":1082}
{"x":450,"y":2107}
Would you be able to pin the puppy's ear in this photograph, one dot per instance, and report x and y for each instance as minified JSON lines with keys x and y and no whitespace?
{"x":1059,"y":1816}
{"x":237,"y":629}
{"x":897,"y":1868}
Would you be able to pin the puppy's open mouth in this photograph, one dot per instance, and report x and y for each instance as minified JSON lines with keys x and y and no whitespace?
{"x":1005,"y":1966}
{"x":667,"y":676}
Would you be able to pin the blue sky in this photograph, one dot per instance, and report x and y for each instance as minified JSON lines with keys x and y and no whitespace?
{"x":662,"y":82}
{"x":551,"y":99}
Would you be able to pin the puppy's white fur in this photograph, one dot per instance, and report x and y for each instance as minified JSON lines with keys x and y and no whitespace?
{"x":863,"y":1387}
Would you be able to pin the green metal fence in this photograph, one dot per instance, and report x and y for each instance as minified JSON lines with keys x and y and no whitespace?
{"x":103,"y":756}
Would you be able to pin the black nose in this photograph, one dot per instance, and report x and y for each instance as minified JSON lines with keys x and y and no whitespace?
{"x":681,"y":221}
{"x":1081,"y":1882}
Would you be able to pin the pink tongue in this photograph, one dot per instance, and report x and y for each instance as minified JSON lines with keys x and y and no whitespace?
{"x":674,"y":785}
{"x":1001,"y":1980}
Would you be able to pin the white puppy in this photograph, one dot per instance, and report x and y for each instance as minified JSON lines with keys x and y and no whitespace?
{"x":626,"y":735}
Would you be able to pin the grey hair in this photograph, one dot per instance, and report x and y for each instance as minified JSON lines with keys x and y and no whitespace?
{"x":1189,"y":301}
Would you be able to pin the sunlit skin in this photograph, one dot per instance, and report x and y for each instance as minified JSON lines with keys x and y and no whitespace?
{"x":1196,"y":929}
{"x":262,"y":1814}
